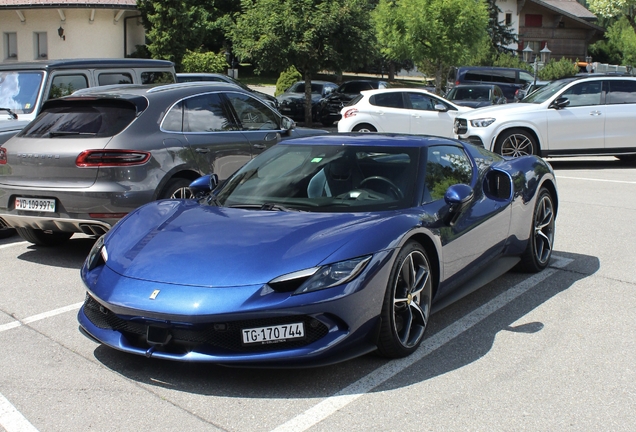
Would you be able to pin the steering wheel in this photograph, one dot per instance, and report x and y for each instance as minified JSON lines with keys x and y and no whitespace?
{"x":392,"y":186}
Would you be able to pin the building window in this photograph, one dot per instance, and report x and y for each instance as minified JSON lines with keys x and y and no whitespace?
{"x":11,"y":46}
{"x":41,"y":46}
{"x":508,"y":19}
{"x":534,"y":20}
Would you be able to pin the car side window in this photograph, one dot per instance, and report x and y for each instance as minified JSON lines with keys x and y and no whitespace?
{"x":420,"y":101}
{"x":389,"y":100}
{"x":173,"y":121}
{"x":621,"y":92}
{"x":64,"y":85}
{"x":584,"y":94}
{"x":206,"y":113}
{"x":114,"y":78}
{"x":158,"y":77}
{"x":253,"y":114}
{"x":445,"y":166}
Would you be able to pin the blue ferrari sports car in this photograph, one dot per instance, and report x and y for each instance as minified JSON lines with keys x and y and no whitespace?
{"x":318,"y":250}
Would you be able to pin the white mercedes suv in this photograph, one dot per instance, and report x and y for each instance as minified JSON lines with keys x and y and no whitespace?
{"x":583,"y":115}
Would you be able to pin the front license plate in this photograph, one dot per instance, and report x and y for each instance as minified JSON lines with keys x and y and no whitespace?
{"x":273,"y":334}
{"x":35,"y":204}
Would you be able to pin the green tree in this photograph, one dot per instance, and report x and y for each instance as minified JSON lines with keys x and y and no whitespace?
{"x":615,"y":9}
{"x":621,"y":40}
{"x":435,"y":34}
{"x":312,"y":35}
{"x":172,"y":27}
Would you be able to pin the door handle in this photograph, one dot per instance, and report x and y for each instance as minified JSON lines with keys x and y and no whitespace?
{"x":595,"y":113}
{"x":260,"y":146}
{"x":202,"y":150}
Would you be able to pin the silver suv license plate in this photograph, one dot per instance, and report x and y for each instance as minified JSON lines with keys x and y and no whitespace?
{"x":35,"y":204}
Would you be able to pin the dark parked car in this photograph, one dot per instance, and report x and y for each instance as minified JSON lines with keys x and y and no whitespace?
{"x":292,"y":102}
{"x":215,"y":77}
{"x":529,"y":88}
{"x":508,"y":79}
{"x":476,"y":95}
{"x":90,"y":158}
{"x":330,"y":106}
{"x":320,"y":249}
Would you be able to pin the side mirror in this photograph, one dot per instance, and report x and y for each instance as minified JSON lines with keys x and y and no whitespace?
{"x":440,"y":107}
{"x":204,"y":185}
{"x":287,"y":123}
{"x":560,"y":102}
{"x":457,"y":197}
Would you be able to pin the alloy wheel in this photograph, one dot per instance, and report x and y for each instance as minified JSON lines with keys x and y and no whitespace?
{"x":517,"y":145}
{"x":411,"y":303}
{"x":544,"y":229}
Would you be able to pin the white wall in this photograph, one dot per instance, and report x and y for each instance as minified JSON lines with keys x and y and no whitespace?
{"x":102,"y":37}
{"x":509,"y":6}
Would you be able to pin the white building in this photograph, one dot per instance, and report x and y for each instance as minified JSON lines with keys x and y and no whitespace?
{"x":41,"y":29}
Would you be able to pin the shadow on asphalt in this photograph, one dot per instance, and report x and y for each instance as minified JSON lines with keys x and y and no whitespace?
{"x":468,"y":347}
{"x":68,"y":255}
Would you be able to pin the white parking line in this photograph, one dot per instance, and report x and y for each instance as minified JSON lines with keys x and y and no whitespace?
{"x":11,"y":419}
{"x":352,"y":392}
{"x":39,"y":317}
{"x":8,"y":245}
{"x":595,"y":179}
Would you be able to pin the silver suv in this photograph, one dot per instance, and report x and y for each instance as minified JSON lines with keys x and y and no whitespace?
{"x":583,"y":115}
{"x":90,"y":158}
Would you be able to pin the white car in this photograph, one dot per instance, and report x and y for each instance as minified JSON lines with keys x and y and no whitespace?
{"x":400,"y":110}
{"x":583,"y":115}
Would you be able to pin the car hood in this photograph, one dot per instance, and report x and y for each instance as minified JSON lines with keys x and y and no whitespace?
{"x":506,"y":109}
{"x":182,"y":242}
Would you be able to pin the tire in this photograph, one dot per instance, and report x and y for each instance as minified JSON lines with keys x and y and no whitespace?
{"x":407,"y":303}
{"x":537,"y":255}
{"x":42,"y":238}
{"x":515,"y":143}
{"x":177,"y":188}
{"x":6,"y":232}
{"x":364,"y":127}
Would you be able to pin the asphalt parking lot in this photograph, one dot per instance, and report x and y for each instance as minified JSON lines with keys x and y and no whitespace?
{"x":551,"y":351}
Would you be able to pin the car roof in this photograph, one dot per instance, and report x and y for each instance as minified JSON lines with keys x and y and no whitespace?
{"x":86,"y":63}
{"x":475,"y":85}
{"x":394,"y":89}
{"x":125,"y":90}
{"x":373,"y":140}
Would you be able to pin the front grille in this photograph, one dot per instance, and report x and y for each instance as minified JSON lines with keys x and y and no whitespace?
{"x":460,"y":126}
{"x":225,"y":336}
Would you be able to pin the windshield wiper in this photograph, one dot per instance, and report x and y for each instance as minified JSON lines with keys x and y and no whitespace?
{"x":67,"y":133}
{"x":13,"y":115}
{"x":265,"y":206}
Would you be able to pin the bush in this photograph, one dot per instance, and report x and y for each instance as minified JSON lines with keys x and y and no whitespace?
{"x":204,"y":62}
{"x":511,"y":61}
{"x":286,"y":79}
{"x":558,"y":69}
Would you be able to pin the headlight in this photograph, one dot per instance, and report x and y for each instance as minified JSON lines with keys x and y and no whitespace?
{"x":484,"y":122}
{"x":334,"y":274}
{"x":98,"y":255}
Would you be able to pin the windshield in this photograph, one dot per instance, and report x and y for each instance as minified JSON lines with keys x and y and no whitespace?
{"x":324,"y":179}
{"x":19,"y":90}
{"x":544,"y":93}
{"x":299,"y":87}
{"x":469,"y":93}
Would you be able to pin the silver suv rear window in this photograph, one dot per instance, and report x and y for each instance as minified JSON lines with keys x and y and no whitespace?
{"x":81,"y":119}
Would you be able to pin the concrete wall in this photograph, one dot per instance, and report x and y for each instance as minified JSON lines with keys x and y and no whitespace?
{"x":102,"y":37}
